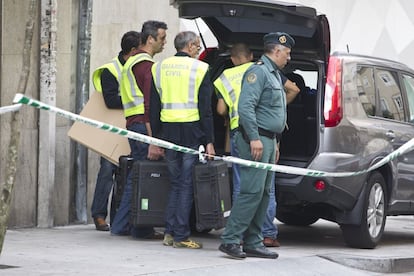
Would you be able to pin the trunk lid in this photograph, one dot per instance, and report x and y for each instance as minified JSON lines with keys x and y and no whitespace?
{"x":249,"y":20}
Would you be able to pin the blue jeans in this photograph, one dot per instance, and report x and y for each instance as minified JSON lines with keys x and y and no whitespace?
{"x":121,"y":224}
{"x":180,"y":197}
{"x":236,"y":167}
{"x":104,"y":183}
{"x":269,"y":229}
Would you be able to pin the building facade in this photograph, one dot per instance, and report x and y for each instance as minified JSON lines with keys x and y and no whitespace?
{"x":46,"y":191}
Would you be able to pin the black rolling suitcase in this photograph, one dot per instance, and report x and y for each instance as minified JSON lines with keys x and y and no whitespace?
{"x":212,"y":196}
{"x":121,"y":175}
{"x":151,"y":183}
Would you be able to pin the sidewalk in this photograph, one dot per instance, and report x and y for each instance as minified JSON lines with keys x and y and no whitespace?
{"x":316,"y":250}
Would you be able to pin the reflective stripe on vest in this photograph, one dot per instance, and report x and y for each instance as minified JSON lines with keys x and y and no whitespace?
{"x":177,"y":80}
{"x":229,"y":86}
{"x":131,"y":95}
{"x":114,"y":67}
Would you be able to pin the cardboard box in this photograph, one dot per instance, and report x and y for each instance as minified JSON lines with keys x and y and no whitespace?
{"x":109,"y":145}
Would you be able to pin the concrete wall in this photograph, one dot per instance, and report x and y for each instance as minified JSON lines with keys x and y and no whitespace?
{"x":67,"y":16}
{"x":379,"y":28}
{"x":23,"y":209}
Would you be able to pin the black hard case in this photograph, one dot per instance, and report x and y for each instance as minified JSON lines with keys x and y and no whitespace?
{"x":212,"y":195}
{"x":150,"y":181}
{"x":121,"y":175}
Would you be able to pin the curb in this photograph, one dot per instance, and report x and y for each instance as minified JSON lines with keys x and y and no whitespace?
{"x":381,"y":264}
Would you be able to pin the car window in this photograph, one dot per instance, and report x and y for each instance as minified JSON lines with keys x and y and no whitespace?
{"x":408,"y":82}
{"x":391,"y":101}
{"x":366,"y":89}
{"x":310,"y":78}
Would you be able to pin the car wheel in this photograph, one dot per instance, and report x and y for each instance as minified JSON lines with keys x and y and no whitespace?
{"x":369,"y":232}
{"x":296,"y":219}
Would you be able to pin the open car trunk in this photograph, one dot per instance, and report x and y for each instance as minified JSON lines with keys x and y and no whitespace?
{"x":247,"y":21}
{"x":300,"y":137}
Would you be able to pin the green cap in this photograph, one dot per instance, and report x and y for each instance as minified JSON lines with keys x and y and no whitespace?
{"x":279,"y":38}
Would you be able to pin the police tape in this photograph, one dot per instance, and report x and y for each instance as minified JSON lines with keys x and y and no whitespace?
{"x":10,"y":108}
{"x":22,"y":99}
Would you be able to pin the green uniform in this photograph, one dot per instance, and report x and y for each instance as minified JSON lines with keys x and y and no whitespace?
{"x":262,"y":104}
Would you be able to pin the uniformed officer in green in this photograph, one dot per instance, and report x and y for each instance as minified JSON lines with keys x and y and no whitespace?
{"x":262,"y":114}
{"x":228,"y":87}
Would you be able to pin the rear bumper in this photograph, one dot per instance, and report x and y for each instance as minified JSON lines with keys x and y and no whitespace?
{"x":297,"y":192}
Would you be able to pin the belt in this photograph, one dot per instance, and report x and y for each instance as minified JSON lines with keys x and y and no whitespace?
{"x":138,"y":118}
{"x":234,"y":130}
{"x":262,"y":132}
{"x":267,"y":133}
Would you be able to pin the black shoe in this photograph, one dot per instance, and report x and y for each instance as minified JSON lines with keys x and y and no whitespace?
{"x":153,"y":236}
{"x":233,"y":250}
{"x":260,"y":252}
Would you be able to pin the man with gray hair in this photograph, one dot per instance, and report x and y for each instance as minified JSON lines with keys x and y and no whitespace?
{"x":180,"y":112}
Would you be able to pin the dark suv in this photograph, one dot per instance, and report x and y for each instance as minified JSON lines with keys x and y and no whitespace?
{"x":352,"y":112}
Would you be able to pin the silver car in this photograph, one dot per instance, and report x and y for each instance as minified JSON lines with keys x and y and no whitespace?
{"x":352,"y":112}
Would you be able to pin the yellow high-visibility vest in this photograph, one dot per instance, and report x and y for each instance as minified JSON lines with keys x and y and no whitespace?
{"x":228,"y":84}
{"x":177,"y":80}
{"x":115,"y":67}
{"x":131,"y":95}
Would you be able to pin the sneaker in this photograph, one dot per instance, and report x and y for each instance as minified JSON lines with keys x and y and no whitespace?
{"x":188,"y":244}
{"x":168,"y":240}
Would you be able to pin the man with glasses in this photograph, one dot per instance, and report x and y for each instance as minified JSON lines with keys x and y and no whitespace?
{"x":181,"y":114}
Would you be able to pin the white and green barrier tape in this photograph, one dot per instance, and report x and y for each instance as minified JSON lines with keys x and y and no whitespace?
{"x":9,"y":108}
{"x":22,"y":99}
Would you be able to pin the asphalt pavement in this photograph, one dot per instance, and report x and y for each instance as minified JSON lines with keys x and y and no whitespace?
{"x":315,"y":250}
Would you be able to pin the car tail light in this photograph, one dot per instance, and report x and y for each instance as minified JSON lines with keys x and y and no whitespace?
{"x":333,"y":110}
{"x":319,"y":185}
{"x":205,"y":54}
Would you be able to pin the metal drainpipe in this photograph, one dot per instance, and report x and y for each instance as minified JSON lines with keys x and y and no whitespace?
{"x":82,"y":96}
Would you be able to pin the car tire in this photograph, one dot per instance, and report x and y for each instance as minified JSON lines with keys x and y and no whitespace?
{"x":368,"y":234}
{"x":296,"y":219}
